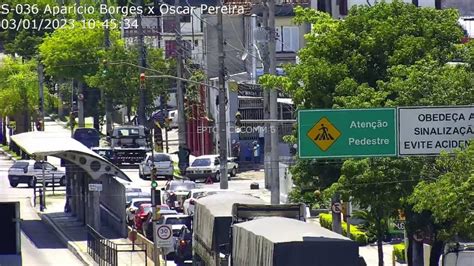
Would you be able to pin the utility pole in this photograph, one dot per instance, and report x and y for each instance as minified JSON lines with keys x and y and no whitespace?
{"x":80,"y":89}
{"x":41,"y":92}
{"x":108,"y":103}
{"x":275,"y":173}
{"x":266,"y":102}
{"x":179,"y":84}
{"x":142,"y":63}
{"x":222,"y":112}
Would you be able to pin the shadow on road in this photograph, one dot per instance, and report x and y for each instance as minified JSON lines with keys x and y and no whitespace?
{"x":41,"y":235}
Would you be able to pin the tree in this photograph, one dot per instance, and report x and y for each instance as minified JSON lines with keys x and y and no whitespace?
{"x":118,"y":76}
{"x":79,"y":52}
{"x":24,"y":34}
{"x":381,"y":56}
{"x":18,"y":91}
{"x":448,"y":196}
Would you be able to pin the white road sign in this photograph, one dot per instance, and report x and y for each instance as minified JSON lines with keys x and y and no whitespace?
{"x":164,"y":235}
{"x":95,"y":187}
{"x":430,"y":130}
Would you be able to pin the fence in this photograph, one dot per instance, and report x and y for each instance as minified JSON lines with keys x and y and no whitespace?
{"x":106,"y":252}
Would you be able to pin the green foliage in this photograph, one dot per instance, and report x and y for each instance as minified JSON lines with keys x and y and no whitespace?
{"x":325,"y":219}
{"x":18,"y":87}
{"x":118,"y":76}
{"x":399,"y":252}
{"x":24,"y":41}
{"x":73,"y":52}
{"x":450,"y":196}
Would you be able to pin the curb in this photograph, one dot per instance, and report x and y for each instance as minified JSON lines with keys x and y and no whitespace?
{"x":84,"y":258}
{"x":10,"y":157}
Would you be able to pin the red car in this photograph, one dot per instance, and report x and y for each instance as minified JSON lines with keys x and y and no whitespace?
{"x":141,"y":215}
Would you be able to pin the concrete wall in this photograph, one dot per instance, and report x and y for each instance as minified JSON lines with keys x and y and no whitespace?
{"x":233,"y":27}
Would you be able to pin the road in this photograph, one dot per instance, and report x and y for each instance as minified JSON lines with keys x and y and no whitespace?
{"x":39,"y":243}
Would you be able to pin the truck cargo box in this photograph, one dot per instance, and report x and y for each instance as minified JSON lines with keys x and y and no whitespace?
{"x":277,"y":241}
{"x":212,"y":222}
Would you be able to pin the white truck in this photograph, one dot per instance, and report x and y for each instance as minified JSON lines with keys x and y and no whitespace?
{"x":128,"y":145}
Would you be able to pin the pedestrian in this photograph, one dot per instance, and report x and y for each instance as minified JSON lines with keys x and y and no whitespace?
{"x":248,"y":152}
{"x":261,"y":139}
{"x":236,"y":149}
{"x":256,"y":152}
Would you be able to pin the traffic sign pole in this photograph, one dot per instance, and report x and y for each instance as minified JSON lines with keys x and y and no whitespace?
{"x":336,"y":208}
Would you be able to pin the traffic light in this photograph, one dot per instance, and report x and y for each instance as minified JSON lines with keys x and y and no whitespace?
{"x":154,"y":184}
{"x":106,"y":66}
{"x":238,"y":116}
{"x":142,"y":79}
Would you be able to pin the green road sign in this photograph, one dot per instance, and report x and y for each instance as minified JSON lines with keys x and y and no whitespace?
{"x":338,"y":133}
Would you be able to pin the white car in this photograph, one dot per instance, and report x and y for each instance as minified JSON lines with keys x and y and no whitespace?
{"x":132,"y":208}
{"x":208,"y":166}
{"x":175,"y":192}
{"x":163,"y":164}
{"x":195,"y":194}
{"x":31,"y":172}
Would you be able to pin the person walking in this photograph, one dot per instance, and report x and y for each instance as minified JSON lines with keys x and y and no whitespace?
{"x":256,"y":152}
{"x":236,"y":150}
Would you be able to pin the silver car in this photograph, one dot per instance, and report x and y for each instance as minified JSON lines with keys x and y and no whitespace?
{"x":163,"y":164}
{"x":31,"y":172}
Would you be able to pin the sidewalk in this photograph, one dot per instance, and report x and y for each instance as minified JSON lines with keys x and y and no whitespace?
{"x":73,"y":233}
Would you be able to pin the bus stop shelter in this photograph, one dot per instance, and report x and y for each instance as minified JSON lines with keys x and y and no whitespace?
{"x":83,"y":167}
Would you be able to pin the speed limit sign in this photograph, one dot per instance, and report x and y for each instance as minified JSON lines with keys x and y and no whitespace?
{"x":164,"y":235}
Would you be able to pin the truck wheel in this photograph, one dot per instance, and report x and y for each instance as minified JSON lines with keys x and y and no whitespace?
{"x":13,"y":184}
{"x":32,"y":182}
{"x":233,"y":172}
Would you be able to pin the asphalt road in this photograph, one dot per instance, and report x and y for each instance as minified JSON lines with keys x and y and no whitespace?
{"x":39,"y":243}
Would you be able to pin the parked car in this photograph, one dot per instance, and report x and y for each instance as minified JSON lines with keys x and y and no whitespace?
{"x":175,"y":192}
{"x":133,"y":207}
{"x":148,"y":224}
{"x":31,"y":172}
{"x":177,"y":222}
{"x":141,"y":215}
{"x":163,"y":164}
{"x":194,"y":194}
{"x":183,"y":250}
{"x":209,"y":166}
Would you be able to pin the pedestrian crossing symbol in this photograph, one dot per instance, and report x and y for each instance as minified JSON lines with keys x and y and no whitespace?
{"x":323,"y":134}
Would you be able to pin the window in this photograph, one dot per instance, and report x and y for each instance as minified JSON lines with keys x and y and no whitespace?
{"x":138,"y":203}
{"x":182,"y":186}
{"x":288,"y":39}
{"x":324,"y":5}
{"x":415,"y":2}
{"x":20,"y":165}
{"x":185,"y":18}
{"x":161,"y":158}
{"x":343,"y":9}
{"x":202,"y":162}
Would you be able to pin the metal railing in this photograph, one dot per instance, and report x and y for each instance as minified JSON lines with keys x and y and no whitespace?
{"x":106,"y":252}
